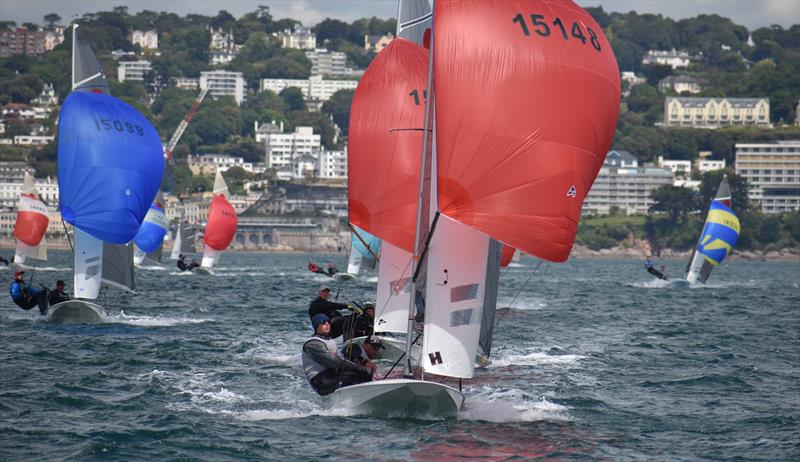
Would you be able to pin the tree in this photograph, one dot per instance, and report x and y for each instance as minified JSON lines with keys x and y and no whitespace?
{"x":52,"y":19}
{"x":293,"y":97}
{"x":769,"y":230}
{"x":710,"y":184}
{"x":674,"y":201}
{"x":339,"y":108}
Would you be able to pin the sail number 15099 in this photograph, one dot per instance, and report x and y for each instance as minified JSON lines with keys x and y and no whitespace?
{"x":118,"y":125}
{"x":541,"y":26}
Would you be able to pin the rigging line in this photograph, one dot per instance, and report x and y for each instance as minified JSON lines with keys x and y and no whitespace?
{"x":506,"y":309}
{"x":66,"y":232}
{"x":427,"y":244}
{"x":400,"y":358}
{"x":369,"y":249}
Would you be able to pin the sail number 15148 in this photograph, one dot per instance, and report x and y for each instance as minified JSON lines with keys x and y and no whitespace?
{"x":542,"y":27}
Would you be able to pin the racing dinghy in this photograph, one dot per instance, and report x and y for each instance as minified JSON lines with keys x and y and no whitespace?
{"x":30,"y":226}
{"x":220,"y":229}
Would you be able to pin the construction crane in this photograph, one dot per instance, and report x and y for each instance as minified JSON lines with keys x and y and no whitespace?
{"x":170,"y":146}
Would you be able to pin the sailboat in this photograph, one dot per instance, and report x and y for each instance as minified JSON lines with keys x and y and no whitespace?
{"x":149,"y":241}
{"x":519,"y":116}
{"x":221,"y":226}
{"x":110,"y":164}
{"x":719,"y":235}
{"x":184,"y":241}
{"x":30,"y":226}
{"x":364,"y":254}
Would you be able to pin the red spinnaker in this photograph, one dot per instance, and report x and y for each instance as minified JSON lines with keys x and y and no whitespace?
{"x":32,"y":220}
{"x":527,"y":98}
{"x":385,"y":140}
{"x":507,"y":255}
{"x":221,"y":225}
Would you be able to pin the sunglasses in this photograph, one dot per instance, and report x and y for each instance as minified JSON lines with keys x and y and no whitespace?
{"x":325,"y":322}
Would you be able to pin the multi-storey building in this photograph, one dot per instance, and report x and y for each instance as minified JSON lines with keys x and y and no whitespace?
{"x":286,"y":149}
{"x":145,"y":39}
{"x":680,"y":84}
{"x":314,"y":88}
{"x":211,"y":163}
{"x":300,"y":38}
{"x":672,"y":58}
{"x":716,"y":112}
{"x":133,"y":70}
{"x":624,"y":185}
{"x":377,"y":43}
{"x":11,"y":188}
{"x":332,"y":164}
{"x":709,"y":165}
{"x":53,"y":37}
{"x":772,"y":171}
{"x":187,"y":83}
{"x":21,"y":41}
{"x":221,"y":40}
{"x":325,"y":62}
{"x":679,"y":168}
{"x":224,"y":83}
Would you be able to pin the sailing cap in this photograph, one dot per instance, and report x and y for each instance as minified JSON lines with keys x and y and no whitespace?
{"x":324,"y":287}
{"x":319,"y":319}
{"x":18,"y":273}
{"x":375,"y":341}
{"x":368,"y":305}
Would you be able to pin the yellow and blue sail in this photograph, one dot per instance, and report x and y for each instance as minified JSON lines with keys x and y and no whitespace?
{"x":719,"y":233}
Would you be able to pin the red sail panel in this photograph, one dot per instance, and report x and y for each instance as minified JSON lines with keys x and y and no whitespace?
{"x":527,"y":98}
{"x":32,"y":220}
{"x":385,"y":139}
{"x":221,"y":225}
{"x":506,"y":255}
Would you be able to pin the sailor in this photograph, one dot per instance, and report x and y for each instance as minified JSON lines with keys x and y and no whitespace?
{"x":25,"y":297}
{"x":182,"y":263}
{"x":648,"y":265}
{"x":325,"y":370}
{"x":321,"y":305}
{"x":314,"y":268}
{"x":365,"y":321}
{"x":58,"y":295}
{"x":664,"y":272}
{"x":192,"y":265}
{"x":332,"y":269}
{"x":365,"y":353}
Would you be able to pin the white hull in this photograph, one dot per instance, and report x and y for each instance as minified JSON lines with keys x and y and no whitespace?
{"x":76,"y":312}
{"x":344,"y":277}
{"x":204,"y":271}
{"x":398,"y":398}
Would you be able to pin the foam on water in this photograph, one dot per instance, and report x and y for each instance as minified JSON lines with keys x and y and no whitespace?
{"x":534,"y":359}
{"x":522,"y":303}
{"x":152,"y":321}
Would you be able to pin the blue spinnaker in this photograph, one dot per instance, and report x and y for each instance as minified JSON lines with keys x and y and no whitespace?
{"x":151,"y":233}
{"x":719,"y":233}
{"x":110,"y":164}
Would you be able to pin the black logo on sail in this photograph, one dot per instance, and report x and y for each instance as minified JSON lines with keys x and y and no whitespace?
{"x":572,"y":192}
{"x":436,"y":358}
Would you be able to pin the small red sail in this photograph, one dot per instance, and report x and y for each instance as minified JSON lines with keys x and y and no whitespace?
{"x":221,"y":225}
{"x":527,"y":98}
{"x":506,"y":255}
{"x":32,"y":220}
{"x":385,"y":139}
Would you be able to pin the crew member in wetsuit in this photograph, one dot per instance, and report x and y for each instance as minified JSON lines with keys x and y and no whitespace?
{"x":321,"y":305}
{"x":58,"y":295}
{"x":182,"y":263}
{"x":365,"y":322}
{"x":28,"y":297}
{"x":332,"y":270}
{"x":324,"y":369}
{"x":648,"y":265}
{"x":365,"y":353}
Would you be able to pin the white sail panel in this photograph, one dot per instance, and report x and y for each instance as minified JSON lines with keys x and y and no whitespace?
{"x":354,"y":261}
{"x":176,"y":243}
{"x":88,"y":265}
{"x":454,"y":299}
{"x":210,"y":257}
{"x":394,"y":285}
{"x":138,"y":255}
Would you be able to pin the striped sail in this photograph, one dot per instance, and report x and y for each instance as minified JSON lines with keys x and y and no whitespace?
{"x":719,"y":235}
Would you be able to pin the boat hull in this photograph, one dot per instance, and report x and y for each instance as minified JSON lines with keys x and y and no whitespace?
{"x":398,"y":398}
{"x":344,"y":277}
{"x":76,"y":312}
{"x":204,"y":271}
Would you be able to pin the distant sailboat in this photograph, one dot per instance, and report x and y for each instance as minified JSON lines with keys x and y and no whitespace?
{"x":718,"y":237}
{"x":364,"y":254}
{"x":149,"y":241}
{"x":30,"y":226}
{"x":517,"y":125}
{"x":110,"y":164}
{"x":184,"y":241}
{"x":221,"y":226}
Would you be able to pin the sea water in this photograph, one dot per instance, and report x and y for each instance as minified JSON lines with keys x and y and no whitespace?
{"x":592,"y":359}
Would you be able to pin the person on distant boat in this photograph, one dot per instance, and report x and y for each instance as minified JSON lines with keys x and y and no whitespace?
{"x":648,"y":265}
{"x":321,"y":305}
{"x":182,"y":263}
{"x":363,"y":354}
{"x":332,"y":269}
{"x":314,"y":268}
{"x":58,"y":295}
{"x":28,"y":297}
{"x":192,"y":264}
{"x":664,"y":272}
{"x":324,"y":369}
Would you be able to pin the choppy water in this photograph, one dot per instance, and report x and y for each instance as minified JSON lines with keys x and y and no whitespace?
{"x":594,"y":360}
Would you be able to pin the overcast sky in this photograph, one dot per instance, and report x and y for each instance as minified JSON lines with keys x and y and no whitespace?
{"x":750,"y":13}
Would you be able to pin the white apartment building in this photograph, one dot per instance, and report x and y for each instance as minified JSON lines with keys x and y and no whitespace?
{"x":132,"y":70}
{"x":679,"y":168}
{"x":332,"y":164}
{"x":680,"y":84}
{"x":301,"y":38}
{"x":224,"y":83}
{"x":621,"y":183}
{"x":772,"y":171}
{"x":314,"y":88}
{"x":709,"y":165}
{"x":53,"y":37}
{"x":716,"y":112}
{"x":672,"y":58}
{"x":145,"y":39}
{"x":221,"y":40}
{"x":211,"y":163}
{"x":285,"y":149}
{"x":10,"y":191}
{"x":33,"y":140}
{"x":325,"y":62}
{"x":187,"y":83}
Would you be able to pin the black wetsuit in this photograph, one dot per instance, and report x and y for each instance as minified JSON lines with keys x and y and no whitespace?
{"x":28,"y":298}
{"x":652,"y":270}
{"x":339,"y":323}
{"x":58,"y":296}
